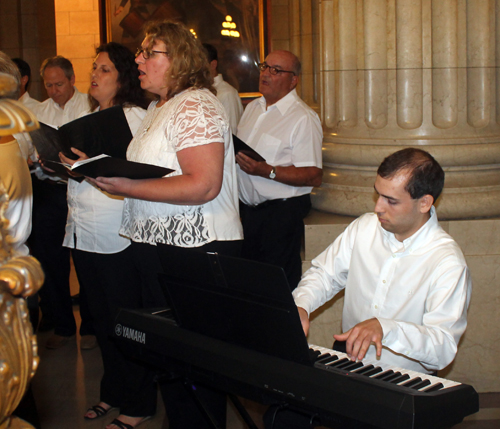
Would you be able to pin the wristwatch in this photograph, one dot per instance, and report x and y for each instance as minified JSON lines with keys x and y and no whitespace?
{"x":272,"y":174}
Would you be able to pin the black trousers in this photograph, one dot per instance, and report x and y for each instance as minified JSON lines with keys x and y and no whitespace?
{"x":50,"y":212}
{"x":181,"y":409}
{"x":112,"y":282}
{"x":273,"y":234}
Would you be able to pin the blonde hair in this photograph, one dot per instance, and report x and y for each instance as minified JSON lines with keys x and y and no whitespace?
{"x":7,"y":66}
{"x":189,"y":66}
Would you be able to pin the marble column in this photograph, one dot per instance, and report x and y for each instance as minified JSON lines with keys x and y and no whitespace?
{"x":400,"y":73}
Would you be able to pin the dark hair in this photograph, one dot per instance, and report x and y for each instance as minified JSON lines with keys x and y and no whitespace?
{"x":129,"y":92}
{"x":58,"y":61}
{"x":211,"y":52}
{"x":24,"y":69}
{"x":426,"y":175}
{"x":189,"y":65}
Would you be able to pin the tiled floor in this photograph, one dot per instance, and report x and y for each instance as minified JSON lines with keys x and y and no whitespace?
{"x":67,"y":383}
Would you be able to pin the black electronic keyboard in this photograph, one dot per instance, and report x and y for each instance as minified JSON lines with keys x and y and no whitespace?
{"x":337,"y":391}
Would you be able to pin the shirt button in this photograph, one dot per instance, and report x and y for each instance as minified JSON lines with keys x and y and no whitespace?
{"x":376,"y":307}
{"x":383,"y":281}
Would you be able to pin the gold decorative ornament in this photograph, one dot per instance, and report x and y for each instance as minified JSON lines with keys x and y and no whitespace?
{"x":20,"y":277}
{"x":14,"y":116}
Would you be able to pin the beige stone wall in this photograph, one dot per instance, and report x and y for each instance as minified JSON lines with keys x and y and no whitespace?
{"x":77,"y":32}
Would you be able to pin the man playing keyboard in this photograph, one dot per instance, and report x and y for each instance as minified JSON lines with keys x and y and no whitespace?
{"x":407,"y":285}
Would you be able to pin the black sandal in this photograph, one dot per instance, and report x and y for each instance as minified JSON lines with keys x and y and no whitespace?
{"x":99,"y":412}
{"x":120,"y":425}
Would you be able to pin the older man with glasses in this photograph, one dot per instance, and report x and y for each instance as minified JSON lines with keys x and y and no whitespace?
{"x":275,"y":193}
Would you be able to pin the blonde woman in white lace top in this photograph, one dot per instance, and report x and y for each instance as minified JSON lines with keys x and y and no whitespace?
{"x":195,"y":206}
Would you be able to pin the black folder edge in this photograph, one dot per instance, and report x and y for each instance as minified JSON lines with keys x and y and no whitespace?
{"x":117,"y":167}
{"x":241,"y":146}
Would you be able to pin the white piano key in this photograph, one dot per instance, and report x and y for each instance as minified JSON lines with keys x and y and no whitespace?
{"x":433,"y":379}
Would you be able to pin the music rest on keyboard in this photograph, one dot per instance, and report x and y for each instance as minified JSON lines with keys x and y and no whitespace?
{"x":372,"y":393}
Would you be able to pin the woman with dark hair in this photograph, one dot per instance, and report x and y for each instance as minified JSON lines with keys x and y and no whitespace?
{"x":196,"y":206}
{"x":101,"y":256}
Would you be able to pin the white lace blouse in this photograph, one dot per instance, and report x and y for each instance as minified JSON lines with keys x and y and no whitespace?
{"x":192,"y":118}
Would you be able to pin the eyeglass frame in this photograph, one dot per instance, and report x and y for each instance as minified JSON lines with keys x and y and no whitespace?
{"x":149,"y":53}
{"x":263,"y":66}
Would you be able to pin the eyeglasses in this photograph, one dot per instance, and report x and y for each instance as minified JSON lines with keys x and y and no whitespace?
{"x":273,"y":70}
{"x":147,"y":54}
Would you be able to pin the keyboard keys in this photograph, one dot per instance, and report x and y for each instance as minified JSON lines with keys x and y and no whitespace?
{"x":384,"y":374}
{"x":351,"y":366}
{"x":412,"y":382}
{"x":364,"y":369}
{"x":400,"y":379}
{"x":434,"y":387}
{"x":339,"y":362}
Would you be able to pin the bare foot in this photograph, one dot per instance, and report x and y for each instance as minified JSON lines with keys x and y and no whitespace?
{"x":132,"y":421}
{"x":95,"y":411}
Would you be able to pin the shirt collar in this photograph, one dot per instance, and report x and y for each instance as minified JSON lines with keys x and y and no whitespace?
{"x":417,"y":240}
{"x":70,"y":101}
{"x":283,"y":104}
{"x":218,"y":78}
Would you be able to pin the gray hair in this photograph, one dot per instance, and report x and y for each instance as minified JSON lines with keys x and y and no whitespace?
{"x":58,"y":61}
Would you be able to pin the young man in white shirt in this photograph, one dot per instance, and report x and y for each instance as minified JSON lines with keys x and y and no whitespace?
{"x":25,"y":70}
{"x":407,"y":285}
{"x":227,"y":94}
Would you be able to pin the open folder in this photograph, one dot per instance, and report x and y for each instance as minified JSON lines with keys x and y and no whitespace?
{"x":105,"y":131}
{"x":107,"y":166}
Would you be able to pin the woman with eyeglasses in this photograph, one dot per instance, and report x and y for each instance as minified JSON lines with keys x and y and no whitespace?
{"x":196,"y":206}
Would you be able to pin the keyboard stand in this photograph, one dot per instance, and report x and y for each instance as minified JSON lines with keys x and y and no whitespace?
{"x":212,"y":423}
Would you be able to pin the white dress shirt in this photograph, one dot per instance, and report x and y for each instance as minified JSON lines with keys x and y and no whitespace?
{"x":94,"y":216}
{"x":50,"y":113}
{"x":230,"y":99}
{"x":418,"y":289}
{"x":287,"y":133}
{"x":24,"y":139}
{"x":29,"y":102}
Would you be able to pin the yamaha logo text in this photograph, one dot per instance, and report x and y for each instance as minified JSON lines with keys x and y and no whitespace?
{"x":131,"y":334}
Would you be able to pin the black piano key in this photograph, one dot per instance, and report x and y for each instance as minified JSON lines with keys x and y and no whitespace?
{"x":364,"y":369}
{"x":314,"y":354}
{"x":384,"y":374}
{"x":353,"y":366}
{"x":412,"y":382}
{"x":326,"y":360}
{"x":434,"y":387}
{"x":375,"y":370}
{"x":423,"y":383}
{"x":392,"y":377}
{"x":400,"y":379}
{"x":339,"y":362}
{"x":322,"y":356}
{"x":349,"y":366}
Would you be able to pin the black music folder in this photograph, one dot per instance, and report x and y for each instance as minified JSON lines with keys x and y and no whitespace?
{"x":241,"y":146}
{"x":107,"y":166}
{"x":106,"y":131}
{"x":239,"y":301}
